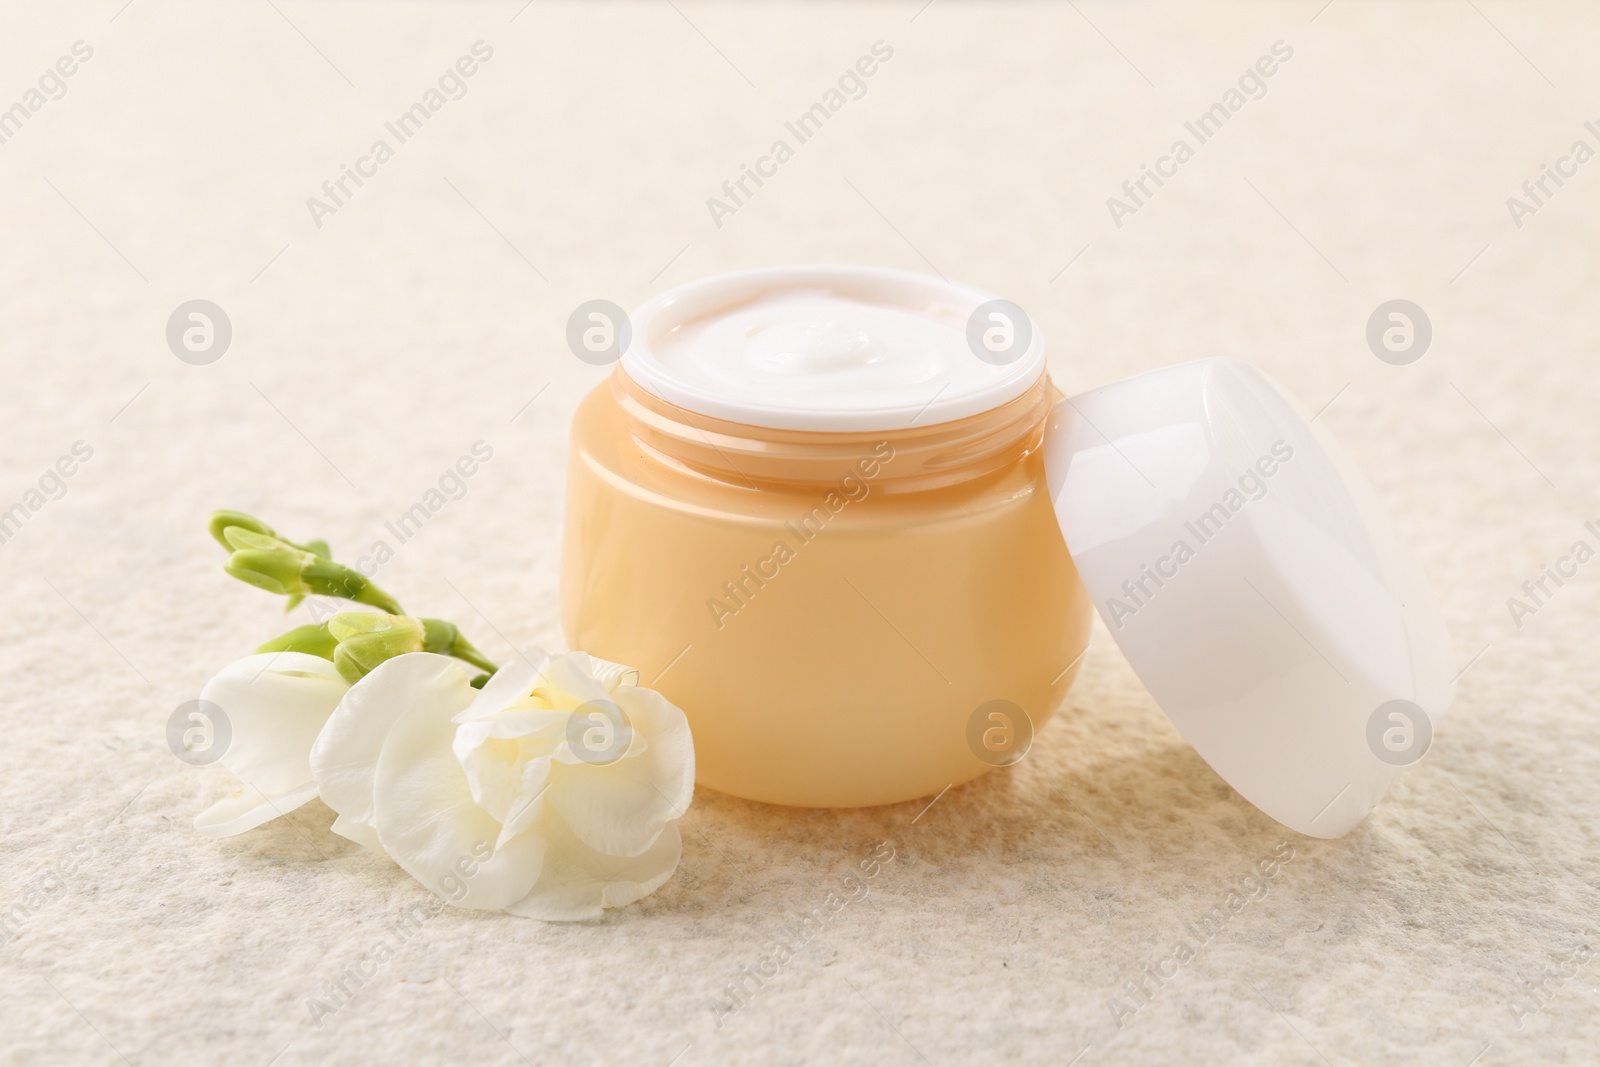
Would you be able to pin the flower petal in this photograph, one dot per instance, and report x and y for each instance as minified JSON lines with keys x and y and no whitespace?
{"x":249,"y":808}
{"x":360,"y":832}
{"x":579,"y":883}
{"x":507,"y":686}
{"x":607,"y":673}
{"x":507,"y":757}
{"x":427,"y":820}
{"x":275,"y":702}
{"x":618,"y":808}
{"x":671,"y":743}
{"x":345,"y":755}
{"x":567,"y":681}
{"x":526,"y":809}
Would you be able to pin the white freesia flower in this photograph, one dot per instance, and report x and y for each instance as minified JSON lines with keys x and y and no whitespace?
{"x":275,"y":704}
{"x":552,"y":793}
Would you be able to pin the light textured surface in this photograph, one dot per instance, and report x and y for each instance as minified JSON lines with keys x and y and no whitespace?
{"x":428,"y":313}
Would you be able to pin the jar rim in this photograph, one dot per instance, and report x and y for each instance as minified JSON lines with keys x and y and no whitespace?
{"x":761,"y":458}
{"x":682,"y":303}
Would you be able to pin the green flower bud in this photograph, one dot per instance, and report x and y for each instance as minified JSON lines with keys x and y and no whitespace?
{"x":269,"y":563}
{"x":223,"y":521}
{"x":367,"y":639}
{"x":314,"y":640}
{"x":438,"y":635}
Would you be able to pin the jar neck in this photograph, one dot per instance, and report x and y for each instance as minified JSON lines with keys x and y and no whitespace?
{"x":907,"y":460}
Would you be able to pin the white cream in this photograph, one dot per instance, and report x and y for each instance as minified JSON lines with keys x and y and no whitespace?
{"x":822,"y":348}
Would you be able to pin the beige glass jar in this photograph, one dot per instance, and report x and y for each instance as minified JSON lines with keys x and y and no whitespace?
{"x":853,"y":615}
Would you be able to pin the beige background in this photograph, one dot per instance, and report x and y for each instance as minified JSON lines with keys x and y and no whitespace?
{"x":371,"y":352}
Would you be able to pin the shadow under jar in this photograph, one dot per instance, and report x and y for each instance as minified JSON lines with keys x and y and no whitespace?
{"x":816,"y":519}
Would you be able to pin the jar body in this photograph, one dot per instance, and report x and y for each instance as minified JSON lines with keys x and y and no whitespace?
{"x":832,"y":644}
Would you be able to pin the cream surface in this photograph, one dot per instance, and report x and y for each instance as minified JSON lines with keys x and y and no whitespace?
{"x":823,"y":349}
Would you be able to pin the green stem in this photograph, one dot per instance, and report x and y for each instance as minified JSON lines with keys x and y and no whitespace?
{"x":474,"y":657}
{"x":327,"y":578}
{"x":446,"y":639}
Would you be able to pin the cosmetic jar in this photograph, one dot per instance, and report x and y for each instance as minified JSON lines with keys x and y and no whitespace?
{"x":810,"y":506}
{"x":840,"y":516}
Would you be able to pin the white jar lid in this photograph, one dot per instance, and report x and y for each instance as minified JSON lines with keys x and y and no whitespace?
{"x":832,"y":348}
{"x":1257,"y":589}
